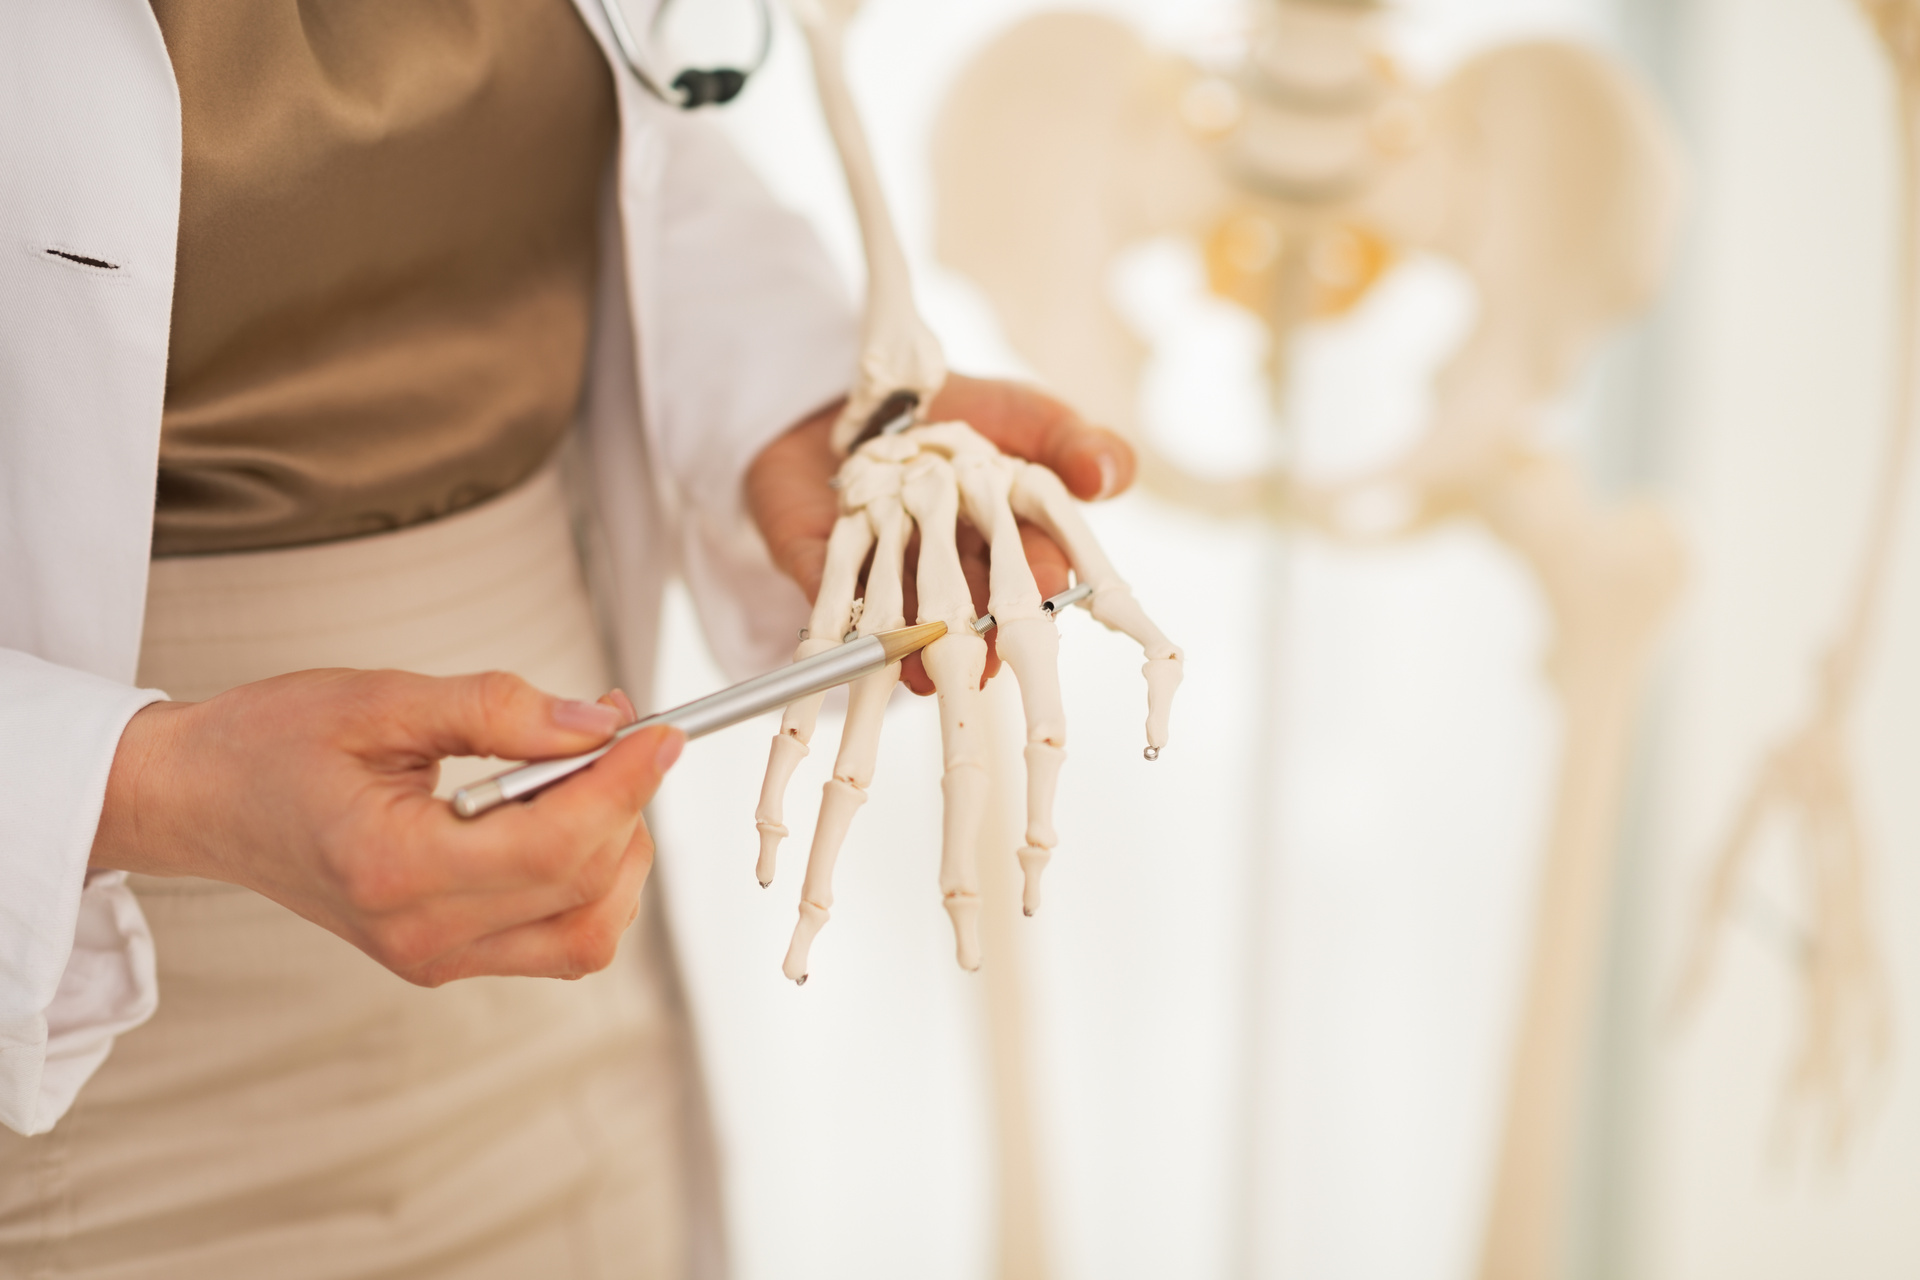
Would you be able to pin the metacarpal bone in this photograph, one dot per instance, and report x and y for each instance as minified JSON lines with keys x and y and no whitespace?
{"x":932,"y":497}
{"x":886,"y":599}
{"x":847,"y":548}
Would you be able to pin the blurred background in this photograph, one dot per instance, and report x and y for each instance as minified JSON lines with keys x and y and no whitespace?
{"x":1266,"y":1023}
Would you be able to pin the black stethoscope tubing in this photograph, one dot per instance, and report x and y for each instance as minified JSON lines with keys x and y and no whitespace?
{"x":696,"y":87}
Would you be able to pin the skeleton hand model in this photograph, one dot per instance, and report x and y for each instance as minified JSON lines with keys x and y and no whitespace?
{"x":928,"y":477}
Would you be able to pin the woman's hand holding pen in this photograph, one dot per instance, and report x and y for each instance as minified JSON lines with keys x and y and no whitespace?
{"x":316,"y":790}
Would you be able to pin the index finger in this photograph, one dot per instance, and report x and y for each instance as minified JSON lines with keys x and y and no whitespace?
{"x":546,"y":839}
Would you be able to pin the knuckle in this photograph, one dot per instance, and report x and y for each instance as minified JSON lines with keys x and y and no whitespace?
{"x":552,"y":859}
{"x":373,"y":696}
{"x":592,"y":945}
{"x":407,"y":947}
{"x":594,"y":881}
{"x":429,"y":976}
{"x":495,"y":692}
{"x":371,"y":884}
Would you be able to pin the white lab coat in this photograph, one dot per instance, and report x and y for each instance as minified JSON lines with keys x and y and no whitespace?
{"x":718,"y":324}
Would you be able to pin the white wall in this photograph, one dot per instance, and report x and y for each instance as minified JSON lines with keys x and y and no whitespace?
{"x":1780,"y":368}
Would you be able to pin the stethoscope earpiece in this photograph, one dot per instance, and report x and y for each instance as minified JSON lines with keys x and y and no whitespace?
{"x":695,"y":87}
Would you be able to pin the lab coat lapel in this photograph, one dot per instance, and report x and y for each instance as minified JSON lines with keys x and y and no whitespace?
{"x":89,"y":218}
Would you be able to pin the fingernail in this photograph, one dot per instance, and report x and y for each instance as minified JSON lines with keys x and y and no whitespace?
{"x":669,"y":750}
{"x":1109,"y":476}
{"x":586,"y":717}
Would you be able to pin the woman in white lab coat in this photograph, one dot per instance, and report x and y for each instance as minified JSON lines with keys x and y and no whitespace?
{"x":273,"y":265}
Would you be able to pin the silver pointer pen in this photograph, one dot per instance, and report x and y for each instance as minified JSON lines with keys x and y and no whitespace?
{"x":743,"y":701}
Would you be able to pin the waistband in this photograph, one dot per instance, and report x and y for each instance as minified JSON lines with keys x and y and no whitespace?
{"x":496,"y":586}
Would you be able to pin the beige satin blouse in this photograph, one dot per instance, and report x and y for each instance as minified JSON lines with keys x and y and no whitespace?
{"x":386,"y":261}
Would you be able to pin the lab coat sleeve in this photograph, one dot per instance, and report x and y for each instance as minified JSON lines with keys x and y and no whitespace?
{"x":746,"y":328}
{"x":76,"y":959}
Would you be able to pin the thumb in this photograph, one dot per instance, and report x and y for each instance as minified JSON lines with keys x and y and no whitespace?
{"x":1092,"y":461}
{"x":495,"y":713}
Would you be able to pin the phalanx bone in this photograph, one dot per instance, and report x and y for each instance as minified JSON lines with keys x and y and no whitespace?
{"x":902,"y":474}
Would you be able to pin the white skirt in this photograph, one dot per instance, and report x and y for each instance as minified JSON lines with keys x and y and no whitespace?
{"x":294,"y":1110}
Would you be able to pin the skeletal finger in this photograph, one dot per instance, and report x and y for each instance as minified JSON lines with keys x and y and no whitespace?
{"x":1029,"y":642}
{"x":846,"y":791}
{"x":841,"y":797}
{"x":955,"y":663}
{"x":832,"y":611}
{"x":1039,"y":496}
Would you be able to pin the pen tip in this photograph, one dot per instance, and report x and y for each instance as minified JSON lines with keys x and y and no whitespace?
{"x":902,"y":641}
